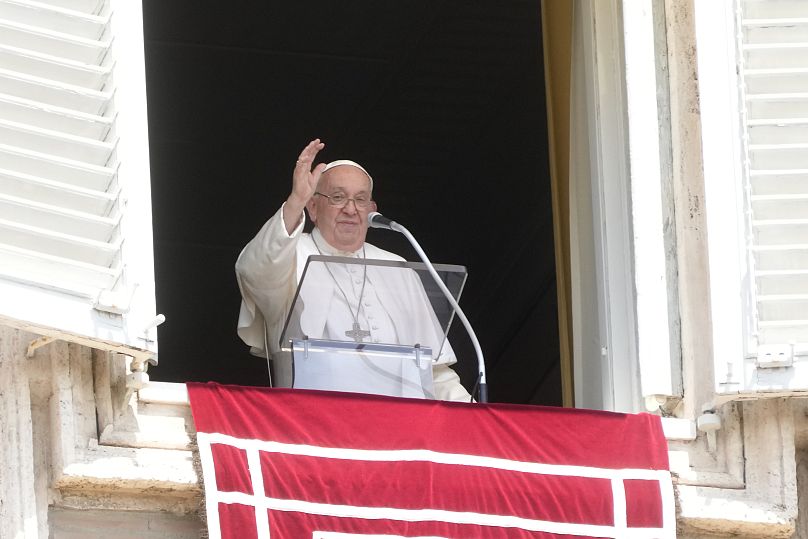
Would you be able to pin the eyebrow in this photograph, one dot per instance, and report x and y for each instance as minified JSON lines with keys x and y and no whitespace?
{"x":340,"y":191}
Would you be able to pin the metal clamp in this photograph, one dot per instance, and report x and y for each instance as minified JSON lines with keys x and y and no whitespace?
{"x":37,"y":343}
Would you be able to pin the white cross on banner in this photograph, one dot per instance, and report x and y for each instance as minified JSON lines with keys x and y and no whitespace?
{"x":295,"y":464}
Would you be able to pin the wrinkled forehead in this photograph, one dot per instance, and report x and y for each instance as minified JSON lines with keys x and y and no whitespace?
{"x":345,"y":166}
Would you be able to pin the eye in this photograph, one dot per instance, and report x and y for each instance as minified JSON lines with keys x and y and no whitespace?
{"x":338,"y":198}
{"x":361,"y":200}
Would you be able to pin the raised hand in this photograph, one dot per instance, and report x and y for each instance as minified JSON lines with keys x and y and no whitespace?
{"x":304,"y":184}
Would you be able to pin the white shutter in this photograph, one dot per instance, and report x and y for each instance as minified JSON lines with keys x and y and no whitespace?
{"x":774,"y":71}
{"x":75,"y":221}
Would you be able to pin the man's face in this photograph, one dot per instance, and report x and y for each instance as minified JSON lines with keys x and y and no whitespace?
{"x":344,"y":228}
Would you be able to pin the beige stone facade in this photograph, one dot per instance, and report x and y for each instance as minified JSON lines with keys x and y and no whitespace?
{"x":86,"y":455}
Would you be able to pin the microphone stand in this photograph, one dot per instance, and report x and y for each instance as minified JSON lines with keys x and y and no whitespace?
{"x":377,"y":220}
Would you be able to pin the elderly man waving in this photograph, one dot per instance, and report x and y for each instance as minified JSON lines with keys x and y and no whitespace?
{"x":338,"y":198}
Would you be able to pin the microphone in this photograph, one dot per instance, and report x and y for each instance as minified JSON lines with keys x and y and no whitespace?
{"x":377,"y":220}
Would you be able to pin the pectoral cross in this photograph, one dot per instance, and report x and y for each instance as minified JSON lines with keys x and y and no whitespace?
{"x":357,"y":333}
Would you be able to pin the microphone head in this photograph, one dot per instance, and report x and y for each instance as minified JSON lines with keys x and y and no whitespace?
{"x":377,"y":220}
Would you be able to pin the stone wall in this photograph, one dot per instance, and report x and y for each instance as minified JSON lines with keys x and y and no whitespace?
{"x":104,"y":524}
{"x":82,"y":444}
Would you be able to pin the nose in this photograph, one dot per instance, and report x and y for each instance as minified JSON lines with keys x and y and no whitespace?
{"x":350,"y":208}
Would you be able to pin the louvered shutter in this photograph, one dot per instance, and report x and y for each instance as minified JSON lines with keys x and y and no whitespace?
{"x":75,"y":221}
{"x":775,"y":77}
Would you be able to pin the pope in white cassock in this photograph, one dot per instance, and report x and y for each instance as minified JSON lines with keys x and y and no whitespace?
{"x":360,"y":303}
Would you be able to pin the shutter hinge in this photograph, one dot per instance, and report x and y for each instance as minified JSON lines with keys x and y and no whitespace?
{"x":115,"y":302}
{"x":775,"y":355}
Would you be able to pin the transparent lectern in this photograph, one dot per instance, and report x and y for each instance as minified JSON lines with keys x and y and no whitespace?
{"x":369,"y":326}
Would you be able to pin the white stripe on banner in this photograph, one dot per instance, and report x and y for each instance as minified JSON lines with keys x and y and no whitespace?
{"x":257,"y":479}
{"x":211,"y":489}
{"x":426,"y":455}
{"x":262,"y":503}
{"x":419,"y":515}
{"x":338,"y":535}
{"x":619,"y":508}
{"x":668,"y":505}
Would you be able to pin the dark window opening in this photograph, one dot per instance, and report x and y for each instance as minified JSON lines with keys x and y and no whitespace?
{"x":443,"y":102}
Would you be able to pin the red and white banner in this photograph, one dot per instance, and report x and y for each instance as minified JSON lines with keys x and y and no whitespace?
{"x":294,"y":464}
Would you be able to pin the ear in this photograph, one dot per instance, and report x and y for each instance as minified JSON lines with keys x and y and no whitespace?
{"x":373,"y":206}
{"x":311,"y":206}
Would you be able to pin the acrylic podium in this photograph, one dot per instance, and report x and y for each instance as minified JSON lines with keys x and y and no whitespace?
{"x":369,"y":326}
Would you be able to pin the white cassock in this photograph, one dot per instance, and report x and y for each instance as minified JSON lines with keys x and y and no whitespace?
{"x":269,"y":269}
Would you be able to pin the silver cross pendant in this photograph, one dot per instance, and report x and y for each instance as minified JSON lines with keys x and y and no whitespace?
{"x":357,"y":333}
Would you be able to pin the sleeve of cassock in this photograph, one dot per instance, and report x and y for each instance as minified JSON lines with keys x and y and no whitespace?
{"x":265,"y":271}
{"x":447,"y":384}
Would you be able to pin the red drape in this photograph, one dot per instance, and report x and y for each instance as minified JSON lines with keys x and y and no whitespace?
{"x":294,"y":464}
